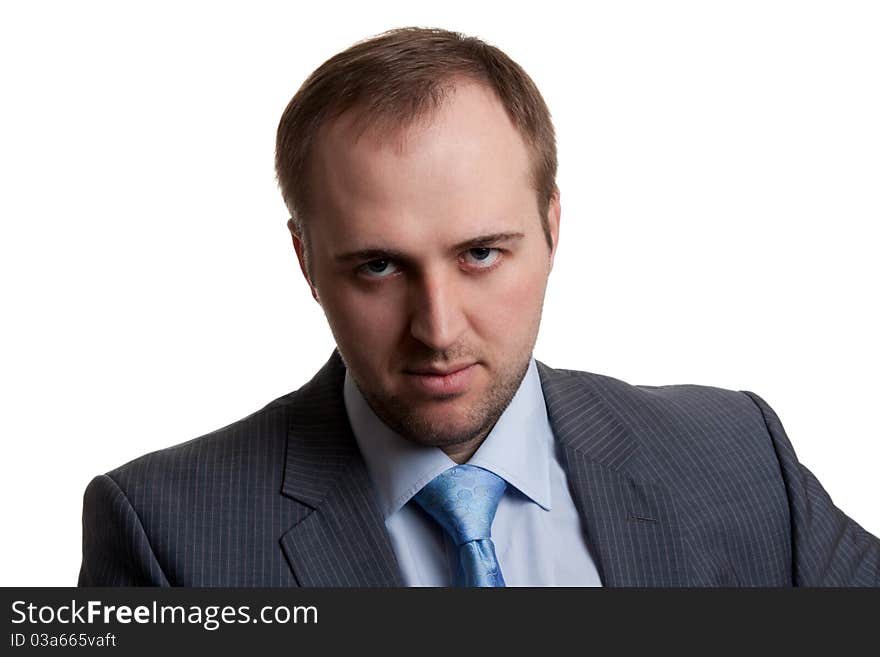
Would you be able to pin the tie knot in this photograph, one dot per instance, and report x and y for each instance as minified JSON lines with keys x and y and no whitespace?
{"x":463,"y":499}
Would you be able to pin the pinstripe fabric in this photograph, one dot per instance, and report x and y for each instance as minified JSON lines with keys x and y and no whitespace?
{"x":676,"y":486}
{"x":692,"y":486}
{"x":829,"y":549}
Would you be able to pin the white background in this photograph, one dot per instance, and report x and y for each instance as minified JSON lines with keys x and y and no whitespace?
{"x":719,"y":168}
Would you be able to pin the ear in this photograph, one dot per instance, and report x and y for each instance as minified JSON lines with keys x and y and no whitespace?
{"x":299,"y":247}
{"x":554,"y":212}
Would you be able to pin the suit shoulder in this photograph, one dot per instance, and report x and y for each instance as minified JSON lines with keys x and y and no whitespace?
{"x":700,"y":411}
{"x":262,"y":432}
{"x":671,"y":393}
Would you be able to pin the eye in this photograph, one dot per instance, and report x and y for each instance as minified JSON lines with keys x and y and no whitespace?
{"x":482,"y":257}
{"x":378,"y":268}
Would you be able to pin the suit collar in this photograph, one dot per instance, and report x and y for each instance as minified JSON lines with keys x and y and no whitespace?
{"x":341,"y":539}
{"x":583,"y":422}
{"x":320,"y":445}
{"x":630,"y":519}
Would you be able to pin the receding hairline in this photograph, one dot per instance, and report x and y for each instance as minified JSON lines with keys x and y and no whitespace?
{"x":400,"y":78}
{"x":361,"y":121}
{"x":385,"y":127}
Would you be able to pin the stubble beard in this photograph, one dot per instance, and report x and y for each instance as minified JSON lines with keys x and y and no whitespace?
{"x":404,"y":419}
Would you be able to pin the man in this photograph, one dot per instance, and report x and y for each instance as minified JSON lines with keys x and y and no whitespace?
{"x":432,"y":449}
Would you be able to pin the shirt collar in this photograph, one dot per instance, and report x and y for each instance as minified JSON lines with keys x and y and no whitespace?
{"x":517,"y":448}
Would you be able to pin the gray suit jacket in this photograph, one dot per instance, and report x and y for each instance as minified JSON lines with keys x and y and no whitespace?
{"x":676,"y":486}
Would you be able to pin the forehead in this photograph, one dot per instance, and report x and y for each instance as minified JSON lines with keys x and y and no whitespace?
{"x":463,"y":166}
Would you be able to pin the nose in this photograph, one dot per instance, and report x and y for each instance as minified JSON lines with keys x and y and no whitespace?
{"x":437,"y":317}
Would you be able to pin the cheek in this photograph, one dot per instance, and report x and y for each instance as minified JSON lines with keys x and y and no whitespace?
{"x":363,"y":322}
{"x":513,"y":306}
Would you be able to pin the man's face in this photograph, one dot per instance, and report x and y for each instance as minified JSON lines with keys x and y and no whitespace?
{"x":434,"y":317}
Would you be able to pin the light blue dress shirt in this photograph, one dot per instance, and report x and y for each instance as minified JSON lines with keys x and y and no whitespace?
{"x":537,"y":531}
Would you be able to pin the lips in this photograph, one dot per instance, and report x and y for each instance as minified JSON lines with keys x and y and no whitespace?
{"x":452,"y":380}
{"x":436,"y":371}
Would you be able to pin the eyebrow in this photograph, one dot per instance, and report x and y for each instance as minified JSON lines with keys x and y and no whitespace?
{"x":379,"y":253}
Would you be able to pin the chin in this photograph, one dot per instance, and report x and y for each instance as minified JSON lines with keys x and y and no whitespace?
{"x":445,"y":426}
{"x":440,"y":420}
{"x":444,"y":437}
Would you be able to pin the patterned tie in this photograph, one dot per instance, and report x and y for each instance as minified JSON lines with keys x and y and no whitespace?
{"x":464,"y":500}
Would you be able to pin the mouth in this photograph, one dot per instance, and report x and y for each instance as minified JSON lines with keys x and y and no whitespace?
{"x":439,"y":371}
{"x":454,"y":379}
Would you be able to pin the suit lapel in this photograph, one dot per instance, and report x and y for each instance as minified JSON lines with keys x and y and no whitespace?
{"x":630,"y":520}
{"x":340,"y":539}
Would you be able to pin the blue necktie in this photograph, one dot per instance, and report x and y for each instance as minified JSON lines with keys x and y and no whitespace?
{"x":463,"y":499}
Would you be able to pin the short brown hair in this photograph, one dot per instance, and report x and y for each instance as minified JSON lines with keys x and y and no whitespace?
{"x":396,"y":77}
